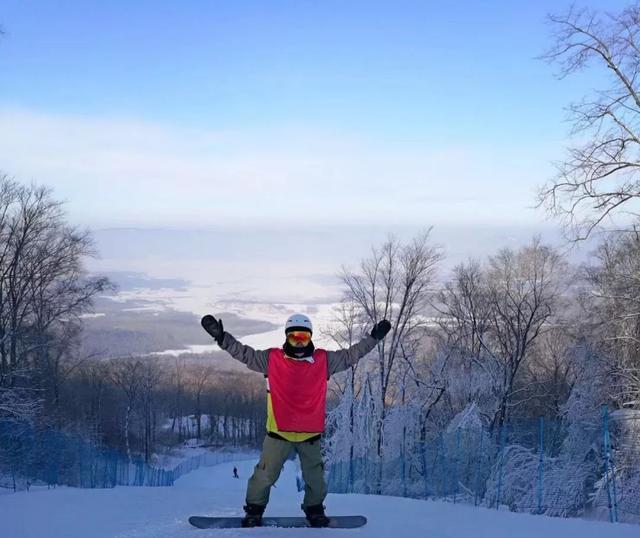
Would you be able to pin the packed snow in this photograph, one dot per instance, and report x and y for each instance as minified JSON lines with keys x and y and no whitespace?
{"x":137,"y":512}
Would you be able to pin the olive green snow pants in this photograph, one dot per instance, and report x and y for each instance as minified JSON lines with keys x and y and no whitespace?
{"x":274,"y":453}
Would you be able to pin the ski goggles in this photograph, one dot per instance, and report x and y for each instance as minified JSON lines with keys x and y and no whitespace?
{"x":297,"y":338}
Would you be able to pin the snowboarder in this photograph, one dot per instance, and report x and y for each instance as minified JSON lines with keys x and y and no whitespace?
{"x":235,"y":472}
{"x":297,"y":375}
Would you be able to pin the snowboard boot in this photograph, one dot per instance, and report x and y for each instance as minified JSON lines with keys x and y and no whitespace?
{"x":315,"y":515}
{"x":253,"y":515}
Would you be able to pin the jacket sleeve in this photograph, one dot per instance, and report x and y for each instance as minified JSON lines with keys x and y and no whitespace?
{"x":255,"y":359}
{"x":346,"y":358}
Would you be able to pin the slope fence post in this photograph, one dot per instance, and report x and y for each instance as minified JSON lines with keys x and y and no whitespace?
{"x":478,"y":465}
{"x":503,"y":442}
{"x":541,"y":465}
{"x":609,"y":473}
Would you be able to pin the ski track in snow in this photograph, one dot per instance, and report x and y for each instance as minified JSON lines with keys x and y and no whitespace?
{"x":132,"y":512}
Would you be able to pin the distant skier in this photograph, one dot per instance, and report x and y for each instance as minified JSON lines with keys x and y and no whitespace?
{"x":235,"y":472}
{"x":297,"y":375}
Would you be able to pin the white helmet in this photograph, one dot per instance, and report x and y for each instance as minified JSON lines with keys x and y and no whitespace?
{"x":298,"y":322}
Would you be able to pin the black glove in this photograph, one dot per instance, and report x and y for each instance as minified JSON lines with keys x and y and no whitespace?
{"x":214,"y":327}
{"x":381,"y":329}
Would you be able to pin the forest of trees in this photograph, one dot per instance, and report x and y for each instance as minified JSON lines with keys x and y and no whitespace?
{"x":139,"y":405}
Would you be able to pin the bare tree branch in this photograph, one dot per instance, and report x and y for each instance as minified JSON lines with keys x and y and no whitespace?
{"x":601,"y":173}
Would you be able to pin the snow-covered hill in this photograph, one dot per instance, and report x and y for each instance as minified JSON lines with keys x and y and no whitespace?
{"x":133,"y":512}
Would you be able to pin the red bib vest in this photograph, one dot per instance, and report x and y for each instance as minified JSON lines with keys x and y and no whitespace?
{"x":298,"y":391}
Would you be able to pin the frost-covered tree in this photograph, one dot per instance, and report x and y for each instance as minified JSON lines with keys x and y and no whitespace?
{"x":492,"y":316}
{"x":18,"y":403}
{"x":345,"y":329}
{"x":549,"y":373}
{"x":394,"y":283}
{"x":612,"y":308}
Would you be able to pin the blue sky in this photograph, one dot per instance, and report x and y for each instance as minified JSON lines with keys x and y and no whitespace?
{"x":199,"y":113}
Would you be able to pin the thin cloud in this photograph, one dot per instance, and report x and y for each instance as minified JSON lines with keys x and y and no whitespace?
{"x":124,"y":171}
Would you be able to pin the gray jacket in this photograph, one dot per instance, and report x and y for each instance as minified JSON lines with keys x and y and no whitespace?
{"x":257,"y":359}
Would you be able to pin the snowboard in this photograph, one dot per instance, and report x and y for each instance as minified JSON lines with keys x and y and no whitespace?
{"x":335,"y":522}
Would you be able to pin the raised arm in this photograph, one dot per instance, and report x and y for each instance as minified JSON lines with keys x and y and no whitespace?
{"x":255,"y":359}
{"x":346,"y":358}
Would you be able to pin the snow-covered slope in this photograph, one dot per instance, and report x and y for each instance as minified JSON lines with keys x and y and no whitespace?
{"x":132,"y":512}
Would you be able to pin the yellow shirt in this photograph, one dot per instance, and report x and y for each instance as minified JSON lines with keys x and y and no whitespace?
{"x":294,"y":437}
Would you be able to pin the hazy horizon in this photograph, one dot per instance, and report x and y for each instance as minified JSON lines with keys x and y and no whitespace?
{"x":324,"y":246}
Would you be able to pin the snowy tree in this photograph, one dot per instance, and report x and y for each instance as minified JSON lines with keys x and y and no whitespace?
{"x":18,"y":403}
{"x":394,"y":283}
{"x":612,"y":307}
{"x":345,"y":330}
{"x":572,"y":477}
{"x":549,"y":373}
{"x":492,"y":317}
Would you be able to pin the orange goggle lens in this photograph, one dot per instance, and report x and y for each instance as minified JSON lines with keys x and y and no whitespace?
{"x":299,"y":337}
